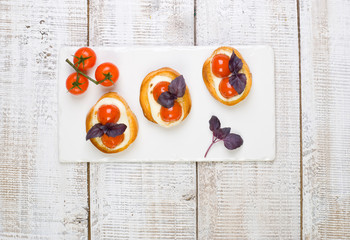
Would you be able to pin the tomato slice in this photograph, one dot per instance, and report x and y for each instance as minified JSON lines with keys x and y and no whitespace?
{"x":108,"y":114}
{"x":84,"y":58}
{"x":220,"y":65}
{"x":171,"y":114}
{"x":107,"y":74}
{"x":77,"y":84}
{"x":226,"y":89}
{"x":160,"y":88}
{"x":112,"y":142}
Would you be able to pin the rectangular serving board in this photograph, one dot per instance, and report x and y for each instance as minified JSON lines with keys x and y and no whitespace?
{"x":253,"y":118}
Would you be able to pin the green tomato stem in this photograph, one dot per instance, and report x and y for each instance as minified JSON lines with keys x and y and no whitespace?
{"x":81,"y":73}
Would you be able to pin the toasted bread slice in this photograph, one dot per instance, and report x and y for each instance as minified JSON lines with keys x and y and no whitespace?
{"x":130,"y":132}
{"x":146,"y":86}
{"x":208,"y":77}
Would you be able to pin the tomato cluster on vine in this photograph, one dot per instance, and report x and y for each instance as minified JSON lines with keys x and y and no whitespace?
{"x":84,"y":59}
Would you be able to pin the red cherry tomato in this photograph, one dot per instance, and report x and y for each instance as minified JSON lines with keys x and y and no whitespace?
{"x":108,"y":114}
{"x":220,"y":65}
{"x":107,"y":74}
{"x":226,"y":89}
{"x":84,"y":58}
{"x":112,"y":142}
{"x":159,"y":89}
{"x":171,"y":114}
{"x":77,"y":84}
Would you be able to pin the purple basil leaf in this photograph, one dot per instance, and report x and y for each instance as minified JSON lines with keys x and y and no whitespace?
{"x":115,"y":129}
{"x":178,"y":86}
{"x":166,"y":99}
{"x":233,"y":141}
{"x":235,"y":64}
{"x":214,"y":123}
{"x":221,"y":133}
{"x":95,"y":131}
{"x":238,"y":82}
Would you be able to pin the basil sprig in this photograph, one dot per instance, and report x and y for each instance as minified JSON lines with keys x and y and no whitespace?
{"x":231,"y":140}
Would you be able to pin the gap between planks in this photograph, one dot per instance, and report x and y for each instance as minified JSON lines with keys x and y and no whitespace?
{"x":88,"y":164}
{"x":88,"y":200}
{"x":300,"y":123}
{"x":195,"y":25}
{"x":197,"y":175}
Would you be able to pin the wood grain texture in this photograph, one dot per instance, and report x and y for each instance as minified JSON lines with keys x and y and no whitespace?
{"x":39,"y":197}
{"x":255,"y":200}
{"x":325,"y":64}
{"x":141,"y":22}
{"x":139,"y":200}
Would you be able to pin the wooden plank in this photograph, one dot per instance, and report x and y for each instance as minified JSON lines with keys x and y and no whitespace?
{"x":39,"y":197}
{"x":325,"y":62}
{"x":255,"y":200}
{"x":142,"y":201}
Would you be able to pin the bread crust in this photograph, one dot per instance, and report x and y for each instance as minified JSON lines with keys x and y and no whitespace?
{"x":184,"y":101}
{"x":209,"y":81}
{"x":133,"y":124}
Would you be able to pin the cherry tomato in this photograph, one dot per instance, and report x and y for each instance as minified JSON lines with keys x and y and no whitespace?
{"x":220,"y":65}
{"x":84,"y":58}
{"x":107,"y":74}
{"x":226,"y":89}
{"x":112,"y":142}
{"x":77,"y":84}
{"x":171,"y":114}
{"x":108,"y":114}
{"x":159,"y":89}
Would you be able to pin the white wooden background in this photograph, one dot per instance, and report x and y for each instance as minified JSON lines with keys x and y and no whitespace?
{"x":304,"y":193}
